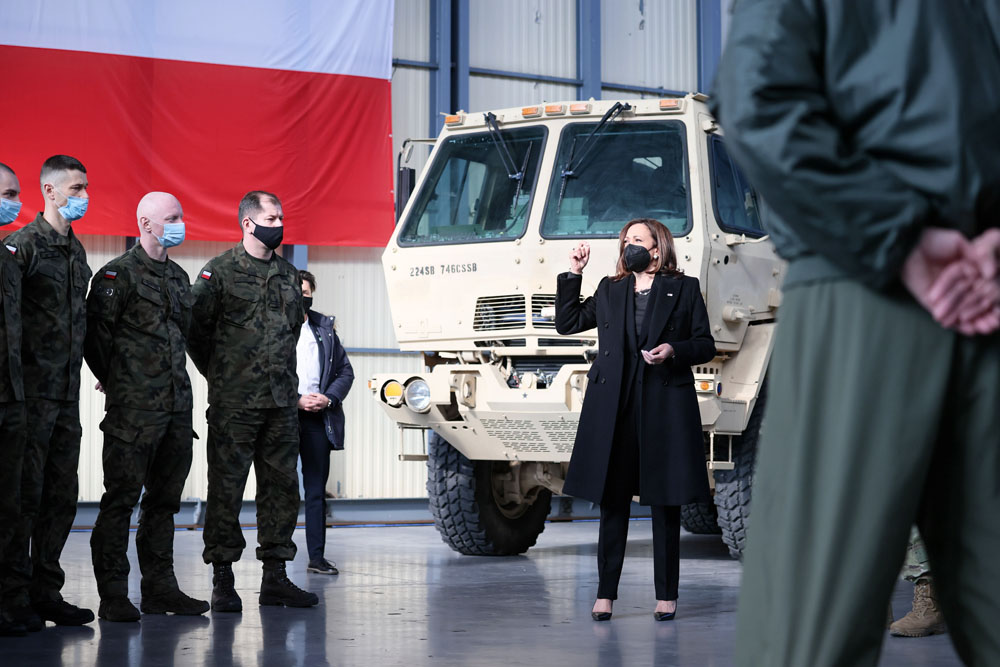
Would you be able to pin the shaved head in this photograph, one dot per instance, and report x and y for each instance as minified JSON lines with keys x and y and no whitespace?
{"x":153,"y":203}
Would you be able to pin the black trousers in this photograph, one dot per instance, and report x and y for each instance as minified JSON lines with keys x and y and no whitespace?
{"x":621,"y":484}
{"x":314,"y":450}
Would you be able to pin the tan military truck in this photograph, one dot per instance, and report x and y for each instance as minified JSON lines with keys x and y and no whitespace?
{"x":471,"y":274}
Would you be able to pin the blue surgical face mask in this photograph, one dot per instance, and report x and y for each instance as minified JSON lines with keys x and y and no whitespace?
{"x":8,"y":211}
{"x":173,"y":234}
{"x":75,"y":208}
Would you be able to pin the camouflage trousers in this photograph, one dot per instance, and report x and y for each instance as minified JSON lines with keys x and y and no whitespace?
{"x":142,"y":448}
{"x":917,"y":564}
{"x":12,"y":425}
{"x":49,"y":488}
{"x":269,"y":439}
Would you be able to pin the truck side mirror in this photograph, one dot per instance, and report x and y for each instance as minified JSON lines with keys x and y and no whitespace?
{"x":405,"y":179}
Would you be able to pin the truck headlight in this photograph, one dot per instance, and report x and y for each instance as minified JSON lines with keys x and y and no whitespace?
{"x":392,"y":394}
{"x":418,"y":395}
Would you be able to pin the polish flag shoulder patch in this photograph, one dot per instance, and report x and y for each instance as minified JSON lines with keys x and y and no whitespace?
{"x":206,"y":274}
{"x":110,"y":275}
{"x":12,"y":248}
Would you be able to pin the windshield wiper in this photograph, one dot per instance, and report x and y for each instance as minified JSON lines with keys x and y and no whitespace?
{"x":502,"y":149}
{"x":588,"y":145}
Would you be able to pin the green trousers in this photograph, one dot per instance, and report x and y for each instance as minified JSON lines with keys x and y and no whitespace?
{"x":269,"y":439}
{"x":877,"y":418}
{"x":142,"y":449}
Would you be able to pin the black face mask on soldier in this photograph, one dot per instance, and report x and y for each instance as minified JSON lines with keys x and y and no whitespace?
{"x":307,"y":302}
{"x":637,"y":258}
{"x":269,"y":236}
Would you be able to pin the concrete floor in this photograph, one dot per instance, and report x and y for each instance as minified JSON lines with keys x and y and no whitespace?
{"x":404,"y":598}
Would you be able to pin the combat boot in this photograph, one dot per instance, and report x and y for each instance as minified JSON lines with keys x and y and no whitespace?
{"x":276,"y":589}
{"x":118,"y":609}
{"x":925,"y":618}
{"x":174,"y":602}
{"x":224,"y":597}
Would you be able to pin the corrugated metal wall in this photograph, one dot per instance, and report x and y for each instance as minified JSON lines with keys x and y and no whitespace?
{"x":650,"y":43}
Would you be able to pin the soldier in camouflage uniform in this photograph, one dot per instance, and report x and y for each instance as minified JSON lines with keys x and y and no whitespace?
{"x":55,"y":274}
{"x":925,"y":618}
{"x":138,"y":315}
{"x":247,"y":316}
{"x":12,"y":423}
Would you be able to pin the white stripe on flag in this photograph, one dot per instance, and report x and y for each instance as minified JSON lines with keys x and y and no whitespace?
{"x":352,"y":37}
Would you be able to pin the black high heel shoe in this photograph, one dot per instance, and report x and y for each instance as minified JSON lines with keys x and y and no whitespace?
{"x":665,"y":615}
{"x":601,"y":615}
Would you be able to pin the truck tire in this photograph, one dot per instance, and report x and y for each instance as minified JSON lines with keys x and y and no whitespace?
{"x":732,"y":487}
{"x":700,"y":519}
{"x":467,"y":513}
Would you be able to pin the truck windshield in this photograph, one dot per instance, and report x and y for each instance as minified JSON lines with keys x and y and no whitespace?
{"x":635,"y":170}
{"x":469,"y":194}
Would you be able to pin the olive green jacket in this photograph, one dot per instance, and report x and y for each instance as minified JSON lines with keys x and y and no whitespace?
{"x":54,"y":310}
{"x":11,"y":382}
{"x":138,"y":316}
{"x":861,"y":123}
{"x":247,"y":316}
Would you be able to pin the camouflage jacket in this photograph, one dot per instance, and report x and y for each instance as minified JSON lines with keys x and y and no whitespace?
{"x":138,"y":316}
{"x":247,"y":316}
{"x":54,"y":313}
{"x":11,"y":384}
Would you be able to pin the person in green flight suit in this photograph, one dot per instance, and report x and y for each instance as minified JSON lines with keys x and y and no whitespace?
{"x":870,"y":130}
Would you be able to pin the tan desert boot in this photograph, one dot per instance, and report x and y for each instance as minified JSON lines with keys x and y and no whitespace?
{"x":925,"y":618}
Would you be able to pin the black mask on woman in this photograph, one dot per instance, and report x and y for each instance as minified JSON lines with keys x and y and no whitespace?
{"x":637,"y":258}
{"x":269,"y":236}
{"x":307,"y":302}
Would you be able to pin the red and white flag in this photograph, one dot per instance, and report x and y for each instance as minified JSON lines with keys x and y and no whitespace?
{"x":206,"y":100}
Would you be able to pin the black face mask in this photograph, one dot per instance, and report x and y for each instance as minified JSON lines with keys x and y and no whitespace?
{"x":637,"y":258}
{"x":269,"y":236}
{"x":307,"y":302}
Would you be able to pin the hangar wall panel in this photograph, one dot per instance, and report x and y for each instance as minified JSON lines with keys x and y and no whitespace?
{"x":490,"y":92}
{"x":411,"y":86}
{"x":529,"y":36}
{"x":350,"y":286}
{"x":651,"y":43}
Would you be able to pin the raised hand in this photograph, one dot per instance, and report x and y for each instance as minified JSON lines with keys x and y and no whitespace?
{"x":578,"y":257}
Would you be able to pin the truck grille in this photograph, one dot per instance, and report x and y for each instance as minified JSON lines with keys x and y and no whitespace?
{"x":499,"y":313}
{"x":539,"y":301}
{"x":529,"y":437}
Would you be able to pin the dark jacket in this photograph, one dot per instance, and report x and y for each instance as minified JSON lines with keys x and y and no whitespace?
{"x":671,"y":450}
{"x":863,"y":122}
{"x":246,"y":321}
{"x":335,"y":376}
{"x":53,"y":309}
{"x":138,"y":316}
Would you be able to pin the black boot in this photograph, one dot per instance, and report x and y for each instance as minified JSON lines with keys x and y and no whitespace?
{"x":119,"y":609}
{"x":175,"y":602}
{"x":224,"y":597}
{"x":276,"y":589}
{"x":10,"y":628}
{"x":25,"y":616}
{"x":61,"y":612}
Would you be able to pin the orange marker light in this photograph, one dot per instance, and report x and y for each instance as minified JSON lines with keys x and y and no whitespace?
{"x":705,"y":386}
{"x":580,"y":107}
{"x":454,"y":119}
{"x":670,"y":105}
{"x":531,"y":112}
{"x":555,"y":109}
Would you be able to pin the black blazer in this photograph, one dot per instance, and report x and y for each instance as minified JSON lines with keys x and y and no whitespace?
{"x":335,"y":376}
{"x":671,"y":450}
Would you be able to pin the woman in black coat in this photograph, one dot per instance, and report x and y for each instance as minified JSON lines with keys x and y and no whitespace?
{"x":325,"y":377}
{"x":640,"y":427}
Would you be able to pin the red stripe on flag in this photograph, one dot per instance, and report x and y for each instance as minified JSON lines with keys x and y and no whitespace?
{"x":208,"y":134}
